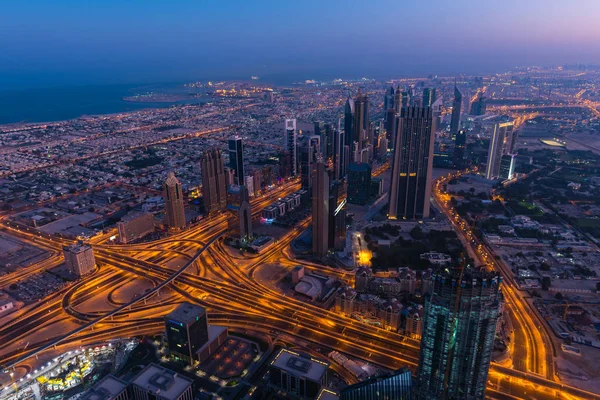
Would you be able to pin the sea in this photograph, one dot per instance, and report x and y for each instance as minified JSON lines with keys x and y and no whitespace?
{"x":64,"y":103}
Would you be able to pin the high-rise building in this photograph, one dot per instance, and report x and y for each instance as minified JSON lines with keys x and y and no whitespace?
{"x":337,"y":217}
{"x":158,"y":383}
{"x":186,"y":330}
{"x":359,"y":183}
{"x":79,"y":258}
{"x":456,"y":108}
{"x":460,"y":318}
{"x":299,"y":375}
{"x":214,"y":186}
{"x":478,"y":107}
{"x":410,"y":188}
{"x":395,"y":386}
{"x":320,"y":211}
{"x":507,"y":166}
{"x":428,"y":97}
{"x":361,"y":123}
{"x":337,"y":152}
{"x":239,"y":204}
{"x":236,"y":159}
{"x":290,"y":144}
{"x":499,"y":146}
{"x":510,"y":137}
{"x":460,"y":144}
{"x":390,"y":125}
{"x":406,"y":98}
{"x":308,"y":154}
{"x":135,"y":225}
{"x":173,"y":194}
{"x":321,"y":130}
{"x":388,"y":100}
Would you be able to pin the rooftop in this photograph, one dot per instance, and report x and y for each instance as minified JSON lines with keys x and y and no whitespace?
{"x":300,"y":365}
{"x":186,"y":313}
{"x":159,"y":380}
{"x":107,"y":388}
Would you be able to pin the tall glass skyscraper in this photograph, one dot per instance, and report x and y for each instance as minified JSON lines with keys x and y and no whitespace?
{"x":396,"y":386}
{"x":456,"y":107}
{"x":410,"y":188}
{"x":236,"y":159}
{"x":461,"y":314}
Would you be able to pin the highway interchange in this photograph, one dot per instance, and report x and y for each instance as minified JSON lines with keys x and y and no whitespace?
{"x":212,"y":276}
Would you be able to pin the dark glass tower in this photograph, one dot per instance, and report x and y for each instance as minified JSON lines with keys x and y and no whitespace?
{"x":361,"y":123}
{"x":410,"y":188}
{"x":396,"y":386}
{"x":186,"y":331}
{"x":461,"y":314}
{"x":320,"y":211}
{"x":359,"y":183}
{"x":388,"y":100}
{"x":460,"y":142}
{"x":428,"y":97}
{"x":456,"y":107}
{"x":236,"y":159}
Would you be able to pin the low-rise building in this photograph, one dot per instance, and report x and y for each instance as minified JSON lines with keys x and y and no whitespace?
{"x":298,"y":375}
{"x":157,"y":383}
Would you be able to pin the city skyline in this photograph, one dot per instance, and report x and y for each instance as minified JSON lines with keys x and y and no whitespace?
{"x":112,"y":42}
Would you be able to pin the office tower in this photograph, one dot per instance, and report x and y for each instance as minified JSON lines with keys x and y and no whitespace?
{"x":359,"y":183}
{"x":510,"y":137}
{"x":436,"y":107}
{"x":395,"y":386}
{"x":460,"y":143}
{"x":410,"y":187}
{"x":337,"y":217}
{"x":337,"y":152}
{"x":456,"y":107}
{"x":361,"y":123}
{"x":268,"y":175}
{"x":428,"y":97}
{"x":299,"y":375}
{"x":79,"y":259}
{"x":214,"y":184}
{"x":229,"y":176}
{"x":158,"y":383}
{"x":308,"y":154}
{"x":320,"y":211}
{"x":348,"y":122}
{"x":388,"y":100}
{"x":257,"y":178}
{"x":460,"y":318}
{"x":498,"y":144}
{"x":236,"y":159}
{"x":390,"y":125}
{"x":328,"y":151}
{"x":397,"y":100}
{"x":290,"y":144}
{"x":135,"y":225}
{"x":478,"y":107}
{"x":175,"y":215}
{"x":186,"y":330}
{"x":320,"y":129}
{"x":406,"y":98}
{"x":507,"y":166}
{"x":239,"y":204}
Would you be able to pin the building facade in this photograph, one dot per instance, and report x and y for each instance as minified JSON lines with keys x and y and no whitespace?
{"x":359,"y":183}
{"x":214,"y":185}
{"x":79,"y":259}
{"x":320,"y":211}
{"x":395,"y":386}
{"x":236,"y":159}
{"x":174,"y":209}
{"x":460,"y":319}
{"x":410,"y":188}
{"x":134,"y":226}
{"x":186,"y":330}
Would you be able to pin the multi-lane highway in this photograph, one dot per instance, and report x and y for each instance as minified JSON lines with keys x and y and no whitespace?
{"x":212,"y":277}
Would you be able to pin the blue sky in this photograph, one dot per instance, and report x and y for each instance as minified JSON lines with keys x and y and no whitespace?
{"x":46,"y":43}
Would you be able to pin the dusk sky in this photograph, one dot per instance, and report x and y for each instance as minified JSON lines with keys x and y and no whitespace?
{"x":50,"y":43}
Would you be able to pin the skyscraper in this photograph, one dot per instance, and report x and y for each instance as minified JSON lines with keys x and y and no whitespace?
{"x":308,"y":155}
{"x":498,"y":146}
{"x":337,"y":152}
{"x":510,"y":138}
{"x":459,"y":327}
{"x":175,"y":215}
{"x":320,"y":211}
{"x":214,"y":187}
{"x":361,"y":123}
{"x":507,"y":166}
{"x":388,"y":100}
{"x":428,"y":97}
{"x":398,"y":100}
{"x":478,"y":107}
{"x":410,"y":187}
{"x":460,"y":142}
{"x":186,"y":330}
{"x":236,"y":159}
{"x":290,"y":144}
{"x":394,"y":386}
{"x":456,"y":107}
{"x":239,"y":204}
{"x":359,"y":183}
